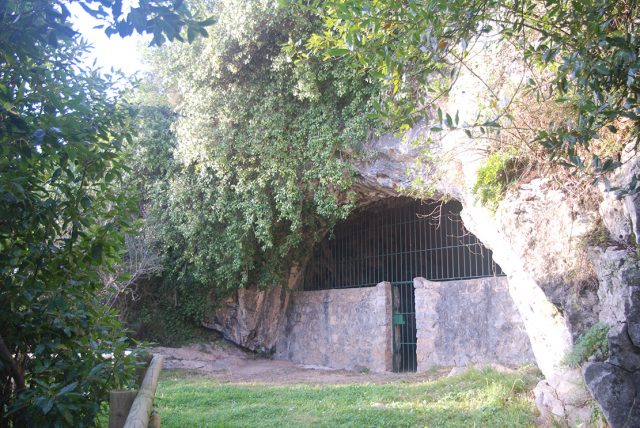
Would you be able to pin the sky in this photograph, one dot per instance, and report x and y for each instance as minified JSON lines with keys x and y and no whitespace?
{"x":117,"y":52}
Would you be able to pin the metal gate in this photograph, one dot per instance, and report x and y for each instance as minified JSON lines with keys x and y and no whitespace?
{"x":404,"y":326}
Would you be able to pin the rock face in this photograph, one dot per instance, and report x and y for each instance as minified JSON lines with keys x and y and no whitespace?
{"x":560,"y":289}
{"x":468,"y":322}
{"x":617,"y":392}
{"x":533,"y":236}
{"x":615,"y":383}
{"x":564,"y":397}
{"x":537,"y":236}
{"x":252,"y":318}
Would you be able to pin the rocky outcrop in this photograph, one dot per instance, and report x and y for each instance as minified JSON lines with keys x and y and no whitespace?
{"x":615,"y":383}
{"x":617,"y":392}
{"x":563,"y":397}
{"x":251,"y":317}
{"x":538,"y":236}
{"x":534,"y":237}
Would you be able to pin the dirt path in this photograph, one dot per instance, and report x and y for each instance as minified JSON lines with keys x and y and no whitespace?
{"x":228,"y":363}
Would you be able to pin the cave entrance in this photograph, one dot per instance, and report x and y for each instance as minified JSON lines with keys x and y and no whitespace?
{"x":396,"y":240}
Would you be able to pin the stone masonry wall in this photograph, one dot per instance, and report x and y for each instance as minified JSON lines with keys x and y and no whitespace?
{"x":468,"y":322}
{"x":342,"y":328}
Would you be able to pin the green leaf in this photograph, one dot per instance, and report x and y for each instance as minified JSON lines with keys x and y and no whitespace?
{"x":209,"y":21}
{"x":602,"y":69}
{"x":191,"y":34}
{"x":338,"y":51}
{"x":66,"y":414}
{"x":46,"y":404}
{"x":70,"y":387}
{"x":376,"y":74}
{"x":55,"y":176}
{"x":449,"y":121}
{"x":85,"y":202}
{"x":97,"y":251}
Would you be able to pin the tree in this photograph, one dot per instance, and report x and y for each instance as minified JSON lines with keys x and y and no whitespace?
{"x":417,"y":49}
{"x":259,"y":152}
{"x":61,"y":217}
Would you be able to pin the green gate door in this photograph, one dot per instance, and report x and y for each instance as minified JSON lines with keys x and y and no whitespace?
{"x":404,"y":327}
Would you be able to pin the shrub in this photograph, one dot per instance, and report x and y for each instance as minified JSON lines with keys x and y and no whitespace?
{"x":257,"y":158}
{"x":592,"y":343}
{"x":62,"y":215}
{"x":501,"y":169}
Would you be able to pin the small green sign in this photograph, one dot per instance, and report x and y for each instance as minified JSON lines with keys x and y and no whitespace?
{"x":398,"y":319}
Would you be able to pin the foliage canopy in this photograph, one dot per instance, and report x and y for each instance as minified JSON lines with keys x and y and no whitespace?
{"x":418,"y":48}
{"x":61,"y":214}
{"x":259,"y":150}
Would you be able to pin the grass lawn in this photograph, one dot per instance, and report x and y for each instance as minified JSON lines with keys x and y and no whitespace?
{"x":476,"y":398}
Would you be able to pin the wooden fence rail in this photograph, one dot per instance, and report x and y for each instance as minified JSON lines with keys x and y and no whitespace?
{"x":131,"y":409}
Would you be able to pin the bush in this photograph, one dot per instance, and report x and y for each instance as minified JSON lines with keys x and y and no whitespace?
{"x":501,"y":169}
{"x":169,"y":312}
{"x":62,"y":215}
{"x":592,"y":343}
{"x":257,"y":154}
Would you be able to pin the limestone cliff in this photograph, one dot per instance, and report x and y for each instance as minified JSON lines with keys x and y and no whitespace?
{"x":538,"y":235}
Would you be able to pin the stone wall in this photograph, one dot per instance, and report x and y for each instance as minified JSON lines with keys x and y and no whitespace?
{"x":468,"y":322}
{"x":458,"y":323}
{"x":343,"y":328}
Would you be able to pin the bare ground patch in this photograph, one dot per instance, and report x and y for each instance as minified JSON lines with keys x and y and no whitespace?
{"x":226,"y":362}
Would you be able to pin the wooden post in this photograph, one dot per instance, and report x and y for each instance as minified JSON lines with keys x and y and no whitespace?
{"x":154,"y":421}
{"x":119,"y":405}
{"x":142,"y":370}
{"x":142,"y":405}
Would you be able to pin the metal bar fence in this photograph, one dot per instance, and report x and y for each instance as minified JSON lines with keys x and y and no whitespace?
{"x":398,"y":243}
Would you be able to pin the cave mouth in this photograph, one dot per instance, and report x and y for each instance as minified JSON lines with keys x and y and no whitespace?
{"x":396,"y":240}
